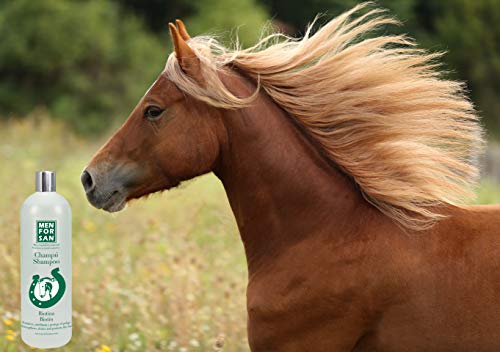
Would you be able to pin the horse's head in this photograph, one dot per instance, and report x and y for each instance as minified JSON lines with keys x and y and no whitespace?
{"x":45,"y":287}
{"x":168,"y":138}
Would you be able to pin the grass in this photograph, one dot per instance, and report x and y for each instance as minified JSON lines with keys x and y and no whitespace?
{"x":166,"y":274}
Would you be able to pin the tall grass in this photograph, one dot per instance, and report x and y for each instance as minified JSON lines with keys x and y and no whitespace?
{"x":166,"y":274}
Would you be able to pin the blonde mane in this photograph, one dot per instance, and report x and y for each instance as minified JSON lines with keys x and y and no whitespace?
{"x":376,"y":105}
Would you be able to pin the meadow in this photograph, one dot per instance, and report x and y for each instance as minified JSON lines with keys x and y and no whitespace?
{"x":166,"y":274}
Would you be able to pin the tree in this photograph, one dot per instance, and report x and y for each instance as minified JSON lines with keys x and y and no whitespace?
{"x":221,"y":17}
{"x":469,"y":32}
{"x":228,"y":18}
{"x":86,"y":62}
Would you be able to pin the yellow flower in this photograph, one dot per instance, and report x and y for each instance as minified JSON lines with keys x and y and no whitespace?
{"x":104,"y":348}
{"x":11,"y":332}
{"x":9,"y":337}
{"x":7,"y":322}
{"x":89,"y":226}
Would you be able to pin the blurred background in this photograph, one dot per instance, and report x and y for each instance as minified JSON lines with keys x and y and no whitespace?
{"x":167,"y":274}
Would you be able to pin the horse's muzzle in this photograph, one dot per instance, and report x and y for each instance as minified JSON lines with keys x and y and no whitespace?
{"x":103,"y":192}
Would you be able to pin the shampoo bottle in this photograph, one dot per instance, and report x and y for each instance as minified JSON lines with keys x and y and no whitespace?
{"x":46,"y":266}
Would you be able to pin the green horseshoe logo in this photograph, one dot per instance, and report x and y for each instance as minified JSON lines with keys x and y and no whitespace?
{"x":47,"y":291}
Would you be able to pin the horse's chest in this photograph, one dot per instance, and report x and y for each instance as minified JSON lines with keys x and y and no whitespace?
{"x":274,"y":314}
{"x":286,"y":309}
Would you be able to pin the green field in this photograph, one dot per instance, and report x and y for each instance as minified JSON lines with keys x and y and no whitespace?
{"x":166,"y":274}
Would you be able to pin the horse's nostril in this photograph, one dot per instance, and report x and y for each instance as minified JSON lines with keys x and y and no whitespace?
{"x":87,"y":182}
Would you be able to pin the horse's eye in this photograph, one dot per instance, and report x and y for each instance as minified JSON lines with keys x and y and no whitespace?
{"x":152,"y":112}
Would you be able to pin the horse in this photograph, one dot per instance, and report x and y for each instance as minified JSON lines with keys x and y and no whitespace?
{"x":348,"y":160}
{"x":45,"y":288}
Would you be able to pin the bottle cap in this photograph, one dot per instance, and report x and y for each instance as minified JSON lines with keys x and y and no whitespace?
{"x":45,"y":181}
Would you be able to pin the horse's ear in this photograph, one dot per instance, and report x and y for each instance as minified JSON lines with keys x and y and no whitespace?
{"x":182,"y":30}
{"x":188,"y":61}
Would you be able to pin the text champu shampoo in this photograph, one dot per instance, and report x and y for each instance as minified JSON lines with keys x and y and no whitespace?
{"x":46,"y":266}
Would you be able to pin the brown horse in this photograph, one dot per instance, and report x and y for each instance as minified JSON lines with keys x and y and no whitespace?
{"x":344,"y":159}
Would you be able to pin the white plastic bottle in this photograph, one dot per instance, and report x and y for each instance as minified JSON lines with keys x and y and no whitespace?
{"x":46,"y":266}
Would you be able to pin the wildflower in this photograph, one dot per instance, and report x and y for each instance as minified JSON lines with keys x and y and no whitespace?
{"x":104,"y":348}
{"x":86,"y":320}
{"x":7,"y":322}
{"x":89,"y":226}
{"x":172,"y":345}
{"x":10,"y":335}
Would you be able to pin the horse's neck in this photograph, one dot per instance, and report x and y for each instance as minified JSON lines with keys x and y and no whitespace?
{"x":280,"y":188}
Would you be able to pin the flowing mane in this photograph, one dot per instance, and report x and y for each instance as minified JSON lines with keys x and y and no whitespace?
{"x":408,"y":137}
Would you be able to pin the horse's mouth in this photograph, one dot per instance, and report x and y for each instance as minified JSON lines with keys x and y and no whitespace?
{"x":115,"y":202}
{"x":112,"y":203}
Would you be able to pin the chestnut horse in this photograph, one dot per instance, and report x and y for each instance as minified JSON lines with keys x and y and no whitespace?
{"x":345,"y":159}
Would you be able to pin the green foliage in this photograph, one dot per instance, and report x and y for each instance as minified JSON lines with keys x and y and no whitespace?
{"x":85,"y":61}
{"x":297,"y":14}
{"x":223,"y":18}
{"x":88,"y":62}
{"x":246,"y":17}
{"x":469,"y":32}
{"x":156,"y":13}
{"x":488,"y":192}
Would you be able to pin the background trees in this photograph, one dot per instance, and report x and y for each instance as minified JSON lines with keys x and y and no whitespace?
{"x":87,"y":62}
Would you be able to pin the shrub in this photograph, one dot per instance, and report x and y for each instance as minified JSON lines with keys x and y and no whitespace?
{"x":87,"y":62}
